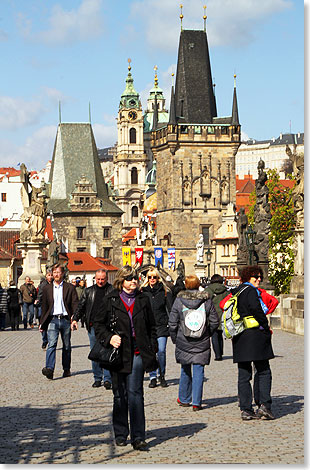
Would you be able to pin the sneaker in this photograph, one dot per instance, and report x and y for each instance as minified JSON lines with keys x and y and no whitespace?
{"x":197,"y":407}
{"x":120,"y":441}
{"x":140,"y":445}
{"x":97,"y":384}
{"x":107,"y":385}
{"x":152,"y":383}
{"x":182,"y":404}
{"x":264,"y":413}
{"x":163,"y":382}
{"x":248,"y":415}
{"x":66,"y":373}
{"x":49,"y":373}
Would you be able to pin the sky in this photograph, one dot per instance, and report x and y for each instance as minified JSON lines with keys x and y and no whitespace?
{"x":75,"y":52}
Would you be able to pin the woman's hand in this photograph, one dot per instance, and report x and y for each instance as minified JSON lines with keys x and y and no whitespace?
{"x":116,"y":341}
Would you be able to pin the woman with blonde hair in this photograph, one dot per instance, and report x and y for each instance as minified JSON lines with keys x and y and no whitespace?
{"x":161,"y":301}
{"x":135,"y":334}
{"x":192,"y":321}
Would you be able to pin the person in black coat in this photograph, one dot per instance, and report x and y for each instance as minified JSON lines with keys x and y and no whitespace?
{"x":15,"y":300}
{"x":253,"y":345}
{"x":135,"y":334}
{"x":161,"y":302}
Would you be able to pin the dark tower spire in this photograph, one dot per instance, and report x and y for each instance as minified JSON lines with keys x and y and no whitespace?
{"x":155,"y":115}
{"x":234,"y":114}
{"x":172,"y":115}
{"x":194,"y":89}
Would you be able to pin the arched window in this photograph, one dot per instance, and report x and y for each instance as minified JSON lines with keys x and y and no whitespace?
{"x":132,"y":135}
{"x":134,"y":175}
{"x":134,"y":212}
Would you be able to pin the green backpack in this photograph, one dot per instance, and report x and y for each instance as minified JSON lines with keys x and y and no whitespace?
{"x":231,"y":322}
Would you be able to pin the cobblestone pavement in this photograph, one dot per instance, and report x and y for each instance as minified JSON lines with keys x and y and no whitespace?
{"x":68,"y":421}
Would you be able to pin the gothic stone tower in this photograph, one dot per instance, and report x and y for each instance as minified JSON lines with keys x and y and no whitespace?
{"x":195,"y":154}
{"x":131,"y":162}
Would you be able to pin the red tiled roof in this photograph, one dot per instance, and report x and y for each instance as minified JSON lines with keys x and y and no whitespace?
{"x":4,"y":254}
{"x":7,"y":241}
{"x":131,"y":235}
{"x":48,"y":229}
{"x":83,"y":261}
{"x":247,"y":187}
{"x":10,"y":171}
{"x":3,"y":222}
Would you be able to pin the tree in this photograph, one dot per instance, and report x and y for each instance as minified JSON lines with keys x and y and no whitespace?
{"x":281,"y":236}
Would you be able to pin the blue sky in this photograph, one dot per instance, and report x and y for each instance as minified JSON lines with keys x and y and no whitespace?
{"x":76,"y":51}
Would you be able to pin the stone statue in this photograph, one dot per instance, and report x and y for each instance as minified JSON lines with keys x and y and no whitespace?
{"x":200,"y":248}
{"x":35,"y":211}
{"x":181,"y":270}
{"x":262,"y":214}
{"x":242,"y":224}
{"x":297,"y":160}
{"x":53,"y":252}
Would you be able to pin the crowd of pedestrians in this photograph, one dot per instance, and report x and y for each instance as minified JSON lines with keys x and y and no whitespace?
{"x":144,"y":316}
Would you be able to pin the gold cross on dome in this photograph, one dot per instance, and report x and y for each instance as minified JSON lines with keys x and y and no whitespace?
{"x":129,"y":62}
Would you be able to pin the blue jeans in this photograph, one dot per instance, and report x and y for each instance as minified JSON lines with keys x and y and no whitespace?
{"x":55,"y":327}
{"x":128,"y":395}
{"x":28,"y":308}
{"x":190,"y":388}
{"x":97,"y":371}
{"x":161,"y":356}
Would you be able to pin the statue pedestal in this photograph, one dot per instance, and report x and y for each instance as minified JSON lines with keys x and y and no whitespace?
{"x":31,"y":254}
{"x":200,"y":270}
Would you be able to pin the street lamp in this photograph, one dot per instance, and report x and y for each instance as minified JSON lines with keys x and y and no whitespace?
{"x":209,"y":256}
{"x":250,"y":239}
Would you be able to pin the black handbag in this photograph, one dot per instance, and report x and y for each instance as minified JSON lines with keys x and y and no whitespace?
{"x":109,"y":358}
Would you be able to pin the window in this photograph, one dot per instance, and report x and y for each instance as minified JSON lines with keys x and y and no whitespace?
{"x":132,"y":136}
{"x":80,"y":233}
{"x":134,"y":175}
{"x":106,"y":232}
{"x":106,"y":252}
{"x":81,"y":200}
{"x":3,"y":197}
{"x":134,"y":212}
{"x":76,"y":262}
{"x":206,"y":235}
{"x":87,"y":200}
{"x":81,"y":249}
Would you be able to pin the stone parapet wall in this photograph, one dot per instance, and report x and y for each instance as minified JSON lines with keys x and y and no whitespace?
{"x":291,"y":309}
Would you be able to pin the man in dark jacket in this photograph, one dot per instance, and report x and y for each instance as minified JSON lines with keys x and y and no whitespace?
{"x":44,"y":282}
{"x":29,"y":294}
{"x":217,"y":291}
{"x":89,"y":305}
{"x":59,"y":302}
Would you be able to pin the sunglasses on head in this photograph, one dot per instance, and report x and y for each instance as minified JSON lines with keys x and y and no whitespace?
{"x":152,"y":277}
{"x":131,"y":277}
{"x":258,"y":276}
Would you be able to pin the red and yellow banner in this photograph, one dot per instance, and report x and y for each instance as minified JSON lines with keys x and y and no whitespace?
{"x":126,"y":252}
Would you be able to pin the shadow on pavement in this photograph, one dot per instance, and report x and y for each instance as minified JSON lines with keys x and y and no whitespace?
{"x":219,"y":401}
{"x":170,"y":432}
{"x":28,"y":434}
{"x":283,"y":405}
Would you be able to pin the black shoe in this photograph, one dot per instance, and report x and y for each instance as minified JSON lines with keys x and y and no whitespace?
{"x":163,"y":382}
{"x":97,"y":384}
{"x":264,"y":412}
{"x":140,"y":445}
{"x":121,"y":442}
{"x":248,"y":415}
{"x":107,"y":385}
{"x":44,"y":345}
{"x":49,"y":373}
{"x":153,"y":383}
{"x":66,"y":373}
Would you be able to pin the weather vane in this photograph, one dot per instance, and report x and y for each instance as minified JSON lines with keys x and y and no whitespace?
{"x":181,"y":17}
{"x":204,"y":18}
{"x":129,"y":62}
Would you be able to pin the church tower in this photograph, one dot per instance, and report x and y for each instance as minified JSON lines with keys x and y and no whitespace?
{"x":195,"y":154}
{"x":130,"y":162}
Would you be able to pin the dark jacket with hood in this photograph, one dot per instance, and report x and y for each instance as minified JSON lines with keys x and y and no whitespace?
{"x":161,"y":304}
{"x":143,"y":323}
{"x":217,"y":292}
{"x":86,"y":302}
{"x":253,"y":344}
{"x":192,"y":350}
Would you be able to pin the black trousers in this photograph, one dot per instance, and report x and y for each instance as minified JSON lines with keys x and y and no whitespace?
{"x":262,"y":384}
{"x":217,"y":343}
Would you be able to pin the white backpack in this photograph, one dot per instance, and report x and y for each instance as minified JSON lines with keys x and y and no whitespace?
{"x":194,"y":321}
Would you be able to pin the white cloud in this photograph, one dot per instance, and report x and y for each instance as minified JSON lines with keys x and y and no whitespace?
{"x":68,"y":26}
{"x":105,"y":136}
{"x":35,"y":152}
{"x":229,"y":22}
{"x":16,"y":113}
